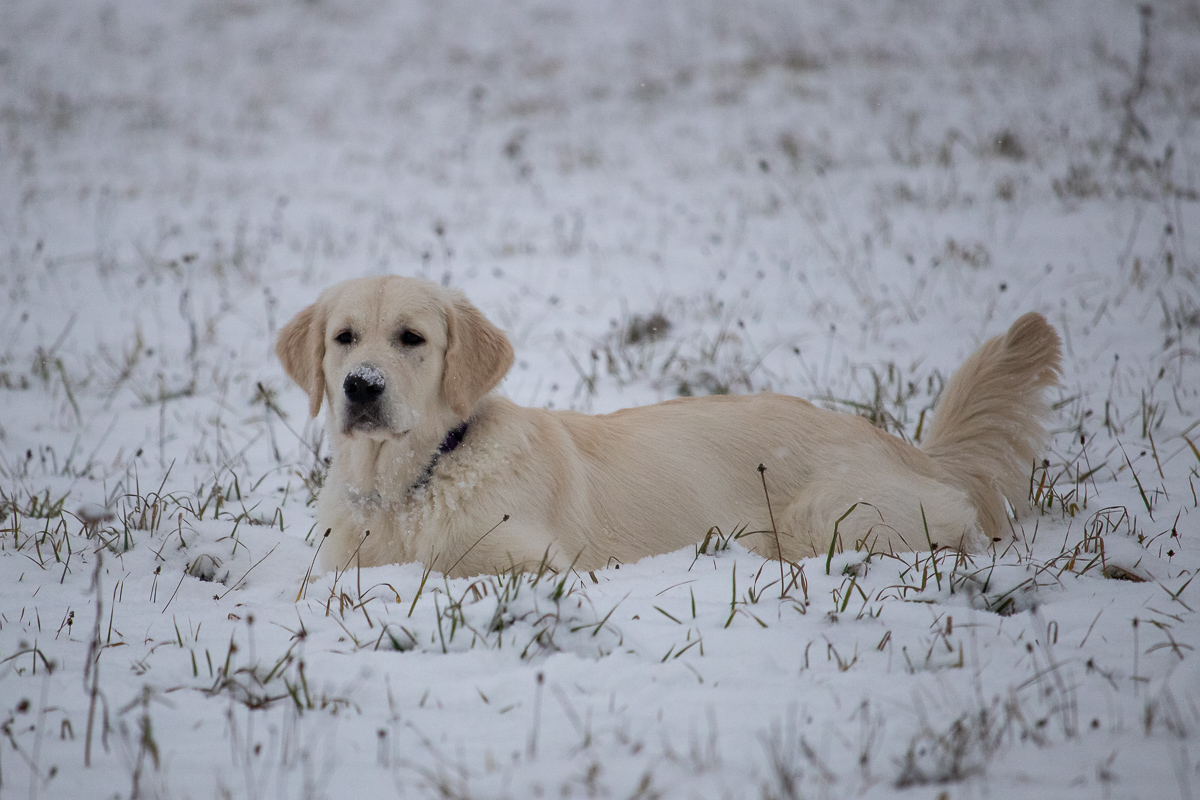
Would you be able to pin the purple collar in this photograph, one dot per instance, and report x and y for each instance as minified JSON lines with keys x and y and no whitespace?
{"x":453,"y":439}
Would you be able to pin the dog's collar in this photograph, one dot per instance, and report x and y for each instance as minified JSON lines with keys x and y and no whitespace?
{"x":453,"y":439}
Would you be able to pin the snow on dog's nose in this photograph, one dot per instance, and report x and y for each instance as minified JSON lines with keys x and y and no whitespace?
{"x":364,"y":384}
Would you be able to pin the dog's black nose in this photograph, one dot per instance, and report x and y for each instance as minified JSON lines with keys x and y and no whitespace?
{"x":363,"y":385}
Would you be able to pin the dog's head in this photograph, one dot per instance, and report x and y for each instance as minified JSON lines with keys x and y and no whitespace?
{"x":392,"y":354}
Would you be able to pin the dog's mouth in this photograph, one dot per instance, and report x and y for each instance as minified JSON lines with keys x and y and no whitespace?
{"x":365,"y":420}
{"x":379,"y":421}
{"x":370,"y":423}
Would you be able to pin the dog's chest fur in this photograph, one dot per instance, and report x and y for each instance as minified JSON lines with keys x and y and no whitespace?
{"x":385,"y":493}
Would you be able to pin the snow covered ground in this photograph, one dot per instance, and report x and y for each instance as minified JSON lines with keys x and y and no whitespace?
{"x":833,"y":199}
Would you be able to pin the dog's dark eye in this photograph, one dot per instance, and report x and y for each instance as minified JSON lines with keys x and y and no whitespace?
{"x":345,"y":337}
{"x":410,"y":338}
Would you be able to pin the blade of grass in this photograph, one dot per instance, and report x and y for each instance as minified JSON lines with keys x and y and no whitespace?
{"x":834,"y":540}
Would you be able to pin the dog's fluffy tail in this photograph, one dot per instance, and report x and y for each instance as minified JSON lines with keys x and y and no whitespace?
{"x":988,"y":428}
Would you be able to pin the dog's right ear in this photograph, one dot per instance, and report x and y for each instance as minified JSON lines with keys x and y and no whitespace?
{"x":301,"y":349}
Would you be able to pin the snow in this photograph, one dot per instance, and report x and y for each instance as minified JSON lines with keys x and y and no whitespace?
{"x":827,"y":199}
{"x":369,"y":374}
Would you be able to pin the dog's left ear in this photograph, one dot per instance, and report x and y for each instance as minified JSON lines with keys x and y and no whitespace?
{"x":477,"y":356}
{"x":301,"y":349}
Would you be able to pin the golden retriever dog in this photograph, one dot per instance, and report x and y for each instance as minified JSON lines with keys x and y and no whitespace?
{"x":442,"y":470}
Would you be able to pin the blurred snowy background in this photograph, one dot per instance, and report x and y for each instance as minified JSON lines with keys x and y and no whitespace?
{"x":832,"y":199}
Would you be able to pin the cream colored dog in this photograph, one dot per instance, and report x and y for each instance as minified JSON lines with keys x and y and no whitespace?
{"x":441,"y":471}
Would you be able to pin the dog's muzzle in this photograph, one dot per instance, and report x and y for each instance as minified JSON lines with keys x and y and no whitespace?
{"x":363,"y":388}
